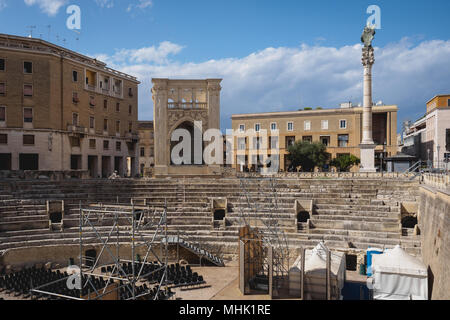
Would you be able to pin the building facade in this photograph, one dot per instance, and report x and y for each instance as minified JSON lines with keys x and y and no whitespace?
{"x":194,"y":107}
{"x":428,"y":139}
{"x":62,"y":111}
{"x":339,"y":129}
{"x":146,"y":147}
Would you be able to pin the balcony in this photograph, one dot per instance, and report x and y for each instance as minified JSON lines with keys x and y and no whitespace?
{"x":187,"y":105}
{"x":132,"y":136}
{"x":77,"y":129}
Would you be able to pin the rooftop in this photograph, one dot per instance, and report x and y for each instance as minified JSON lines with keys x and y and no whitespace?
{"x":13,"y":42}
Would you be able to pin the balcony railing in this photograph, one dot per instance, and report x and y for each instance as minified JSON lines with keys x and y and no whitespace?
{"x":77,"y":129}
{"x":187,"y":105}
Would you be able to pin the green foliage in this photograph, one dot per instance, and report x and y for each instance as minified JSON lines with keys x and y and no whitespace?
{"x":344,"y":162}
{"x":308,"y":155}
{"x":319,"y":108}
{"x":308,"y":108}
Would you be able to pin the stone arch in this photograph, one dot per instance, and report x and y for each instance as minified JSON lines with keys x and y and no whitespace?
{"x":187,"y":124}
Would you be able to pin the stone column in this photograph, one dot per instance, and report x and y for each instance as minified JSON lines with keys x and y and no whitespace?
{"x":160,"y":100}
{"x":367,"y":145}
{"x":213,"y":99}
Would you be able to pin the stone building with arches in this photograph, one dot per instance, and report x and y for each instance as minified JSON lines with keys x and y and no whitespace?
{"x":192,"y":105}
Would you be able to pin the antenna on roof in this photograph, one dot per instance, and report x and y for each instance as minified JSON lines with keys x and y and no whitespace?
{"x":49,"y":31}
{"x":57,"y":38}
{"x":31,"y":30}
{"x":64,"y":42}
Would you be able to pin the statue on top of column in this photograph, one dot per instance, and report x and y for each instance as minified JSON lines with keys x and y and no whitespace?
{"x":367,"y":36}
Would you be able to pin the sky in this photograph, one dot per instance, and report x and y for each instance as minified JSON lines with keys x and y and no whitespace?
{"x":272,"y":55}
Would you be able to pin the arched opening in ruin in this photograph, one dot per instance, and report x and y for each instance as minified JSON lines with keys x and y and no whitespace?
{"x":409,"y":222}
{"x":351,"y":262}
{"x":56,"y":217}
{"x":303,"y":216}
{"x":91,"y":256}
{"x":189,"y":126}
{"x":219,"y":214}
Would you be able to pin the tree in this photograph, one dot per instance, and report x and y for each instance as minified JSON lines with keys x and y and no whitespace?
{"x":307,"y":155}
{"x":345,"y":161}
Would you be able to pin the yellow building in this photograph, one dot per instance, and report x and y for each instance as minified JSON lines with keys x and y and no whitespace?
{"x":339,"y":129}
{"x":146,"y":147}
{"x":63,"y":111}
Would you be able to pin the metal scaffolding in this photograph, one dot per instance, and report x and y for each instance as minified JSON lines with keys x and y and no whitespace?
{"x":140,"y":226}
{"x":259,"y":209}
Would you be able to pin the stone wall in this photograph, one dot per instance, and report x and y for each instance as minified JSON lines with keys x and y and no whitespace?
{"x":434,"y":223}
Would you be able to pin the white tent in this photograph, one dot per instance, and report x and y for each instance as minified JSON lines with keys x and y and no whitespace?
{"x":316,"y":274}
{"x":399,"y":276}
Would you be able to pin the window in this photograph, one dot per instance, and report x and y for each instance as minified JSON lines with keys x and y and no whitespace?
{"x":28,"y":90}
{"x":75,"y":97}
{"x":448,"y":103}
{"x":28,"y":115}
{"x":142,"y":152}
{"x":28,"y":140}
{"x":307,"y":139}
{"x":2,"y":114}
{"x":257,"y":127}
{"x":343,"y":124}
{"x":242,"y":128}
{"x":273,"y":143}
{"x":75,"y":142}
{"x":130,"y":127}
{"x":2,"y":65}
{"x":92,"y":144}
{"x":117,"y":107}
{"x":105,"y":124}
{"x":290,"y":126}
{"x":2,"y":88}
{"x":325,"y":141}
{"x":28,"y":67}
{"x":91,"y":123}
{"x":130,"y":92}
{"x":105,"y":104}
{"x":324,"y":124}
{"x":3,"y":138}
{"x":92,"y":101}
{"x":106,"y":144}
{"x":343,"y":140}
{"x":74,"y":76}
{"x":242,"y":142}
{"x":75,"y":119}
{"x":307,"y":125}
{"x":130,"y":109}
{"x":118,"y":146}
{"x":117,"y":126}
{"x":257,"y":141}
{"x":273,"y":126}
{"x":290,"y":141}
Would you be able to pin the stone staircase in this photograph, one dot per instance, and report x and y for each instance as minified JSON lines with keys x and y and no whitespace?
{"x":349,"y":214}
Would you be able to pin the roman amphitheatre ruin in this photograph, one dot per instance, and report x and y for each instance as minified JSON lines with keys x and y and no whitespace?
{"x":179,"y":231}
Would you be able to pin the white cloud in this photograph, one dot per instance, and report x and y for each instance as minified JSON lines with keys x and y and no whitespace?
{"x":307,"y":76}
{"x":105,"y":3}
{"x":50,"y":7}
{"x":158,"y":55}
{"x":142,"y":4}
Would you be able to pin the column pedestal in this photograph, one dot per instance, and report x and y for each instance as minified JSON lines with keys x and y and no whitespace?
{"x":367,"y":158}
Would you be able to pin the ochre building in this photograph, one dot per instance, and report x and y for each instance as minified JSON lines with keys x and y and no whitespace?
{"x":63,"y":111}
{"x":340,"y":129}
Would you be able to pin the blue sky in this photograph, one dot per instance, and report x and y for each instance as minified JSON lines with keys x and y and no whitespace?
{"x":273,"y":55}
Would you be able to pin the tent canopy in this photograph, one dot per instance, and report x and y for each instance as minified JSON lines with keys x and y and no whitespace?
{"x":399,"y":262}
